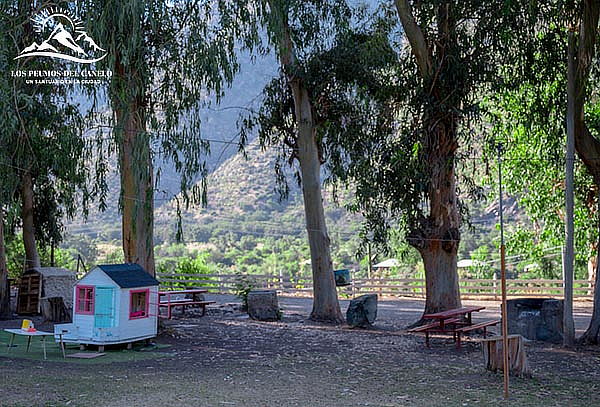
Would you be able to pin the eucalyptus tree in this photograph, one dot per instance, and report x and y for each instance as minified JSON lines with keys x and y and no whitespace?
{"x":581,"y":56}
{"x":449,"y":55}
{"x":43,"y":151}
{"x":4,"y":286}
{"x":297,"y":29}
{"x":554,"y":87}
{"x":166,"y":58}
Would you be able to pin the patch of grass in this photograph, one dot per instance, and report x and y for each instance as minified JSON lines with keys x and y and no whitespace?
{"x":54,"y":354}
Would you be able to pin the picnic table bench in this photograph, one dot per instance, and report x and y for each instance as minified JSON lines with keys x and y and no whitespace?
{"x":456,"y":321}
{"x":181,"y":299}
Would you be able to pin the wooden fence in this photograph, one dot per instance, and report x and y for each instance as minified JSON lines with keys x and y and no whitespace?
{"x":405,"y":287}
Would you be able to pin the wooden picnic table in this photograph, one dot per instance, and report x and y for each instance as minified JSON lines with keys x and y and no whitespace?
{"x":456,"y":321}
{"x":454,"y":313}
{"x":182,"y":302}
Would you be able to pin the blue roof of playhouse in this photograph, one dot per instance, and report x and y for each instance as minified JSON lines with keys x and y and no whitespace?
{"x":128,"y":275}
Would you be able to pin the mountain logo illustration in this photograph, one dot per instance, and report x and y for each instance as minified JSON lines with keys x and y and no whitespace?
{"x":64,"y":39}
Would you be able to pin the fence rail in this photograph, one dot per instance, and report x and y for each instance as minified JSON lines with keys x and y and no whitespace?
{"x":411,"y":287}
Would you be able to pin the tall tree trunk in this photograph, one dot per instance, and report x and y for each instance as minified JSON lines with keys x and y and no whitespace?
{"x":137,"y":193}
{"x":326,"y":307}
{"x":569,"y":249}
{"x":325,"y":304}
{"x":4,"y":287}
{"x":592,"y":333}
{"x":437,"y":236}
{"x":592,"y":266}
{"x":137,"y":178}
{"x":586,"y":145}
{"x":32,"y":258}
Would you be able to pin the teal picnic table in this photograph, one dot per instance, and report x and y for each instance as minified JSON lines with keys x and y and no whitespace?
{"x":29,"y":335}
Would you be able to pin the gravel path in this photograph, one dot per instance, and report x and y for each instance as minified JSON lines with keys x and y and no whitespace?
{"x":396,"y":314}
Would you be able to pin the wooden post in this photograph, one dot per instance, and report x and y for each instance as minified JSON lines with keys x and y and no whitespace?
{"x":503,"y":279}
{"x":495,"y":284}
{"x":370,"y":261}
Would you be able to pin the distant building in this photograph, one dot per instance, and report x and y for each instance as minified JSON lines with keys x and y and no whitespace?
{"x":387,"y":264}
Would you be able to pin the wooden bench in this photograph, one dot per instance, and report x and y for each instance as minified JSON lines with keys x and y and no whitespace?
{"x":184,"y":302}
{"x":481,"y":325}
{"x":434,"y":327}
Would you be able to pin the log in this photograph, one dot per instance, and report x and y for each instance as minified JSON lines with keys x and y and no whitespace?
{"x":493,"y":357}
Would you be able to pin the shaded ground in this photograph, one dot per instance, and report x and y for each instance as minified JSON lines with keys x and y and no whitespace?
{"x":226,"y":359}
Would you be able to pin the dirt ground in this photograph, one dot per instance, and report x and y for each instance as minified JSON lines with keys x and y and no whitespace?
{"x":226,"y":359}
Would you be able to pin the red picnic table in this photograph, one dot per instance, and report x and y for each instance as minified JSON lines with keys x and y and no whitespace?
{"x":455,"y":321}
{"x":180,"y":298}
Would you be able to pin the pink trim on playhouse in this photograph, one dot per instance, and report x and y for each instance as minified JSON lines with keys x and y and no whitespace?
{"x":139,"y":313}
{"x":84,"y":305}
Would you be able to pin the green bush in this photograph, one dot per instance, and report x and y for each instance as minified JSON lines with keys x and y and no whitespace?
{"x":242,"y":287}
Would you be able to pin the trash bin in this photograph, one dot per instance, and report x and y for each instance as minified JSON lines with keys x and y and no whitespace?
{"x":538,"y":319}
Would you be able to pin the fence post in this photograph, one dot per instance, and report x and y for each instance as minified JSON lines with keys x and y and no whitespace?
{"x":221,"y":289}
{"x":495,"y":285}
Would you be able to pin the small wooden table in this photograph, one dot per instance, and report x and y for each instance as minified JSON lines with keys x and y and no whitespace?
{"x":172,"y":302}
{"x":41,"y":334}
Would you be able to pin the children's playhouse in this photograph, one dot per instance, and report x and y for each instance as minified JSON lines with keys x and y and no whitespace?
{"x":115,"y":303}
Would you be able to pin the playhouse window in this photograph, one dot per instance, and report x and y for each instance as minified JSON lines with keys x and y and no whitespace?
{"x":139,"y":304}
{"x":84,"y":299}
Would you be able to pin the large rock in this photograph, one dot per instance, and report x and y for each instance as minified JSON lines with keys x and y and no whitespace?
{"x":263,"y":305}
{"x":362,"y":311}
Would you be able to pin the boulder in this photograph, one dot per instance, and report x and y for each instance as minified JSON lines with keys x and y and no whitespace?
{"x":263,"y":305}
{"x":362,"y":311}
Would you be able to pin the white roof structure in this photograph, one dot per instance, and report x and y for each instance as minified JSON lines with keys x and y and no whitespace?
{"x":387,"y":264}
{"x":469,"y":263}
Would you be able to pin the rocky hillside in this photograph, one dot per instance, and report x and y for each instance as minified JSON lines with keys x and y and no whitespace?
{"x":243,"y":198}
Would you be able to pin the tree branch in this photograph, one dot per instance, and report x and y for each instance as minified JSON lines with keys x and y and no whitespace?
{"x":415,"y":37}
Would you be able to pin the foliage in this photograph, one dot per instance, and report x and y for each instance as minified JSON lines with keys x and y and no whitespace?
{"x":144,"y":38}
{"x":40,"y":134}
{"x":187,"y":268}
{"x":244,"y":283}
{"x":15,"y":256}
{"x":528,"y":119}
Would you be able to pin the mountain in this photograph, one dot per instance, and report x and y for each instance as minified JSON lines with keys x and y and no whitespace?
{"x":242,"y":197}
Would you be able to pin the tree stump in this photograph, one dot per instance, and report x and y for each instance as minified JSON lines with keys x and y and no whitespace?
{"x":54,"y":309}
{"x":493,"y":356}
{"x":263,"y":305}
{"x":362,"y":311}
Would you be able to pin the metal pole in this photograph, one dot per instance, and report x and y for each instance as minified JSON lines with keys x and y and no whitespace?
{"x":503,"y":281}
